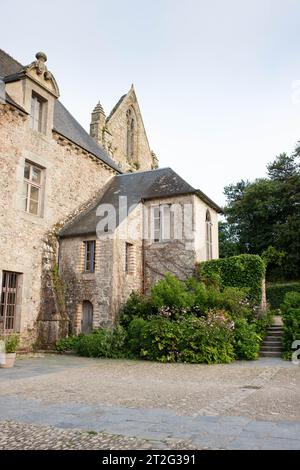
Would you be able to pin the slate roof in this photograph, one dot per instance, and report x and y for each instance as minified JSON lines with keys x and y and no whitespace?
{"x":63,"y":122}
{"x":138,"y":186}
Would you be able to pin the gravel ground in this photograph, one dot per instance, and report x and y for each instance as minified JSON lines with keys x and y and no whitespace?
{"x":184,"y":388}
{"x":68,"y":402}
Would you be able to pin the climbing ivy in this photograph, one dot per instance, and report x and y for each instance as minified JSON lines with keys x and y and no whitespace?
{"x":235,"y":271}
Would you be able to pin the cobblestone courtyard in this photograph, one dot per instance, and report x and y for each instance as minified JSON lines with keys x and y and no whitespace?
{"x":68,"y":402}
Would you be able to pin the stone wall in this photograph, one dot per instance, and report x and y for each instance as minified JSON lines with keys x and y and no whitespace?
{"x":180,"y":255}
{"x":110,"y":285}
{"x":117,"y":136}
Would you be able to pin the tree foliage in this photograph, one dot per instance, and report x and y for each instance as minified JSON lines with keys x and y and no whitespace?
{"x":266,"y":213}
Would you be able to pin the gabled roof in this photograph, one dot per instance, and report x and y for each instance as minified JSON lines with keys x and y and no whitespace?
{"x":116,"y":107}
{"x":66,"y":125}
{"x":138,"y":186}
{"x":63,"y":122}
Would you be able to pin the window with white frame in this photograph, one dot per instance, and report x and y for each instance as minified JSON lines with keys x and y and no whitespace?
{"x":37,"y":113}
{"x":32,"y":188}
{"x":161,"y":223}
{"x":208,"y":234}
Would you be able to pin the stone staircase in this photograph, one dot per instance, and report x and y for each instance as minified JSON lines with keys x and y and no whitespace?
{"x":272,"y":344}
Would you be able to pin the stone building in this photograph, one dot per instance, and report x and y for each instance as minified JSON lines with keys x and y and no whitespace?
{"x":65,"y":265}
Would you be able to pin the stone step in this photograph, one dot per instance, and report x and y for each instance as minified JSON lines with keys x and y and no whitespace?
{"x":275,"y":328}
{"x":271,"y":348}
{"x":270,"y":342}
{"x":270,"y":354}
{"x":274,"y":334}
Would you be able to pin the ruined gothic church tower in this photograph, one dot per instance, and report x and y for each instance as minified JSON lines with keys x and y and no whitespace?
{"x":123,"y":134}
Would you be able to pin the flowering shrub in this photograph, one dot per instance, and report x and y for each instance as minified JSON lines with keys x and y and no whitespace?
{"x":190,"y":339}
{"x":246,"y":340}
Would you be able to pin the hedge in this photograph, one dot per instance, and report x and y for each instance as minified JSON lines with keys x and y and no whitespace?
{"x":243,"y":271}
{"x":276,"y":292}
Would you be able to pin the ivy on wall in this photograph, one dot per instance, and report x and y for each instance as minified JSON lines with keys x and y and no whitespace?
{"x":243,"y":271}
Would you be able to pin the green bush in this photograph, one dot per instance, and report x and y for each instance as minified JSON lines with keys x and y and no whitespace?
{"x":246,"y":340}
{"x":103,"y":343}
{"x":160,"y":340}
{"x":171,"y":292}
{"x":190,"y":339}
{"x":206,"y":340}
{"x":263,"y":323}
{"x":67,"y":344}
{"x":134,"y":336}
{"x":243,"y":271}
{"x":137,"y":306}
{"x":291,"y":321}
{"x":276,"y":292}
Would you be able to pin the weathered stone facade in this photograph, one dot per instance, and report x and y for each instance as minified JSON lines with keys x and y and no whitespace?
{"x":53,"y":287}
{"x":124,"y":122}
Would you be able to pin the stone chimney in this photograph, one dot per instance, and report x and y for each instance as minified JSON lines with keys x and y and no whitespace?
{"x":97,"y":125}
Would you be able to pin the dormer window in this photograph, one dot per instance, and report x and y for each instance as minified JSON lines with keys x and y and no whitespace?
{"x":37,"y":113}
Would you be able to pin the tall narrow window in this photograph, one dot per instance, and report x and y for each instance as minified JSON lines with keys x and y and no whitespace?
{"x":129,"y":258}
{"x":8,"y":301}
{"x":32,"y":188}
{"x":162,"y":222}
{"x":156,"y":223}
{"x":89,"y":256}
{"x":130,"y":134}
{"x":36,"y":113}
{"x":208,"y":230}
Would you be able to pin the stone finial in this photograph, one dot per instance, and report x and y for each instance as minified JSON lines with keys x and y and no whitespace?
{"x":40,"y":66}
{"x":99,"y":109}
{"x":41,"y":56}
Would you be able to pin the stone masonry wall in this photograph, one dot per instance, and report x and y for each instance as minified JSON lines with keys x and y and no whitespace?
{"x":117,"y":126}
{"x":72,"y":178}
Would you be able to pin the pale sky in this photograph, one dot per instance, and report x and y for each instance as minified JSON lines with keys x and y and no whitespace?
{"x":214,"y":78}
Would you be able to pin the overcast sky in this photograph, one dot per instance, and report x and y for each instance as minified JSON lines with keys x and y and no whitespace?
{"x":216,"y":80}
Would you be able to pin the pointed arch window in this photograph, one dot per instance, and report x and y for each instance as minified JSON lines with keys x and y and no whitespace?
{"x":131,"y":131}
{"x":208,"y":235}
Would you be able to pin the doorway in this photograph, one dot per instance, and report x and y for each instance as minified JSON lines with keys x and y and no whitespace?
{"x":87,"y":317}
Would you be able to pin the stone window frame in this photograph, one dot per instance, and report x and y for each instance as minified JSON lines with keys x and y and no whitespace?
{"x":160,"y":233}
{"x":129,"y":258}
{"x":89,"y":260}
{"x":131,"y":132}
{"x":38,"y":113}
{"x":208,"y":235}
{"x":30,"y":183}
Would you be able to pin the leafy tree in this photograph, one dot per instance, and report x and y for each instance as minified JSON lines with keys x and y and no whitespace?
{"x":266,"y":213}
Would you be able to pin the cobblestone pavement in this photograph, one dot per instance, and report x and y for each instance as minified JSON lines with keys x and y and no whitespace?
{"x":72,"y":402}
{"x":20,"y":436}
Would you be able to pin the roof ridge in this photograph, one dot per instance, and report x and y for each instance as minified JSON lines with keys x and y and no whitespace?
{"x":145,"y":171}
{"x":116,"y":107}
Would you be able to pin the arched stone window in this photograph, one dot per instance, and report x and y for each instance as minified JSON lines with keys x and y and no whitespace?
{"x":87,"y":317}
{"x":131,"y":133}
{"x":208,"y":235}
